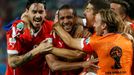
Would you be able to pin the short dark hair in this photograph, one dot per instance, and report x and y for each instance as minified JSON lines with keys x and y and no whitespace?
{"x":124,"y":5}
{"x":99,"y":4}
{"x":30,"y":2}
{"x":67,"y":7}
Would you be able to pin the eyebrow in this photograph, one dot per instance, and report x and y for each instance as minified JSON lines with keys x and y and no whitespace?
{"x":68,"y":17}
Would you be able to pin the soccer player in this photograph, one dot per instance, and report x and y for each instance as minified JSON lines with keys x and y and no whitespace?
{"x":67,"y":19}
{"x":92,"y":7}
{"x":122,"y":9}
{"x":25,"y":41}
{"x":114,"y":51}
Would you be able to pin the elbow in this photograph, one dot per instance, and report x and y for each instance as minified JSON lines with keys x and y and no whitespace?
{"x":52,"y":62}
{"x":55,"y":67}
{"x":13,"y":63}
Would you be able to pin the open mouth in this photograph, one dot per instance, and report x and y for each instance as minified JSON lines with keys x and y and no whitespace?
{"x":68,"y":28}
{"x":37,"y":19}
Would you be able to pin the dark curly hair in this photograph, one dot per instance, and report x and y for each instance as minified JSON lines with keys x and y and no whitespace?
{"x":30,"y":2}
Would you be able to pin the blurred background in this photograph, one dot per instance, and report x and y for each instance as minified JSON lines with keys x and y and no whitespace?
{"x":10,"y":9}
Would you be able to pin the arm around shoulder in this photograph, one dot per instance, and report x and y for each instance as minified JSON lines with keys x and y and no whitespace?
{"x":67,"y":38}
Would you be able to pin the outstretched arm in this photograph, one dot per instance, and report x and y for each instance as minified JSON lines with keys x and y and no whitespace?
{"x":68,"y":53}
{"x":71,"y":42}
{"x":56,"y":64}
{"x":15,"y":60}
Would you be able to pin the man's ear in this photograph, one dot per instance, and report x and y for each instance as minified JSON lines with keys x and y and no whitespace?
{"x":26,"y":10}
{"x":25,"y":14}
{"x":104,"y":26}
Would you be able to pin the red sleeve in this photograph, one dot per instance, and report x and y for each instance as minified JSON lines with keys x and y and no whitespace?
{"x":87,"y":45}
{"x":132,"y":26}
{"x":15,"y":36}
{"x":57,"y":42}
{"x":17,"y":28}
{"x":13,"y":45}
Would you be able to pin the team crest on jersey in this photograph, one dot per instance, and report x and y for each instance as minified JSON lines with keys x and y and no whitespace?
{"x":87,"y":40}
{"x":116,"y":53}
{"x":20,"y":26}
{"x":16,"y":30}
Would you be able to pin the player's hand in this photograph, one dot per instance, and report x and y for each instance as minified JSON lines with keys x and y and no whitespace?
{"x":56,"y":17}
{"x":91,"y":63}
{"x":55,"y":25}
{"x":24,"y":14}
{"x":25,"y":19}
{"x":44,"y":46}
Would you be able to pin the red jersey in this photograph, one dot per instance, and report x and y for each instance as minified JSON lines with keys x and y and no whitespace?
{"x":132,"y":27}
{"x":114,"y":52}
{"x":21,"y":40}
{"x":57,"y":42}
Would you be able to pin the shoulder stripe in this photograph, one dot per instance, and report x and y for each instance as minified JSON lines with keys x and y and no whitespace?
{"x":12,"y":52}
{"x":82,"y":42}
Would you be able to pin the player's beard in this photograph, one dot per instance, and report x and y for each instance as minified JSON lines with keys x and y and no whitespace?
{"x":37,"y":22}
{"x":67,"y":27}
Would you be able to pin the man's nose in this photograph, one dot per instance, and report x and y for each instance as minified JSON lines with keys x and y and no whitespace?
{"x":37,"y":15}
{"x":66,"y":20}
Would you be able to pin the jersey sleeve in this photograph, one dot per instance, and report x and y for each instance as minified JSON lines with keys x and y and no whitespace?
{"x":13,"y":45}
{"x":15,"y":36}
{"x":86,"y":45}
{"x":132,"y":26}
{"x":57,"y":42}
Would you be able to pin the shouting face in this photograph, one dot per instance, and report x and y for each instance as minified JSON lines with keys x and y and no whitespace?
{"x":36,"y":14}
{"x":89,"y":15}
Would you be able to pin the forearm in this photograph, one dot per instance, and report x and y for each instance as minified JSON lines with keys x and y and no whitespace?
{"x":68,"y":54}
{"x":65,"y":66}
{"x":63,"y":34}
{"x":56,"y":64}
{"x":68,"y":40}
{"x":15,"y":61}
{"x":18,"y":60}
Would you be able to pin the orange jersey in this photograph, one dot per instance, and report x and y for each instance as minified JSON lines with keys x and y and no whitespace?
{"x":114,"y":53}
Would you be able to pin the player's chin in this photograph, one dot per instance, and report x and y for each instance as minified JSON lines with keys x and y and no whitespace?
{"x":37,"y":24}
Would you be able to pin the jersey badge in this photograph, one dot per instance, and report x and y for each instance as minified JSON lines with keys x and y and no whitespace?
{"x":87,"y":40}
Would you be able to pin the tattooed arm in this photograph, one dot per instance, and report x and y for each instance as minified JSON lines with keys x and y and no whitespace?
{"x":15,"y":60}
{"x":18,"y":60}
